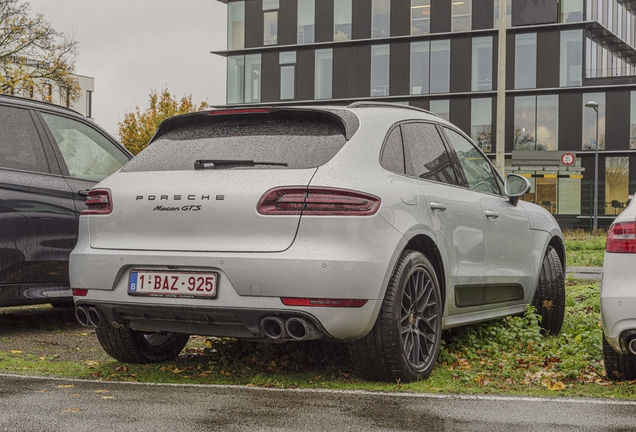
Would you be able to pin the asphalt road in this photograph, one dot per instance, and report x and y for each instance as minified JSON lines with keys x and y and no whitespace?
{"x":42,"y":404}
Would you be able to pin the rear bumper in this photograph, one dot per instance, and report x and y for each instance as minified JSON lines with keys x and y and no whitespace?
{"x":618,"y":300}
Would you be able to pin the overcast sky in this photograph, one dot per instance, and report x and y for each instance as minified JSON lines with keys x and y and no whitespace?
{"x":133,"y":46}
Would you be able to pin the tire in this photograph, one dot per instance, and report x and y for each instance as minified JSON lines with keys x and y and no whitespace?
{"x":132,"y":346}
{"x":618,"y":367}
{"x":405,"y":340}
{"x":549,"y":298}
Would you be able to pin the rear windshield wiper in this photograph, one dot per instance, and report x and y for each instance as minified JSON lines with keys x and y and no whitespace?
{"x":201,"y":163}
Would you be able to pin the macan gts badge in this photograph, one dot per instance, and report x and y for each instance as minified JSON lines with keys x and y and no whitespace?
{"x":374,"y":225}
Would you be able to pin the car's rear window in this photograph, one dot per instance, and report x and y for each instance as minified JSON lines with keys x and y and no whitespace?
{"x":299,"y":142}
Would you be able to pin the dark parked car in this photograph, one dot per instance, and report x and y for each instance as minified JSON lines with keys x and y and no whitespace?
{"x":49,"y":155}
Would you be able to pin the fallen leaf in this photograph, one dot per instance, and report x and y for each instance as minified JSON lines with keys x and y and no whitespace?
{"x":15,"y":352}
{"x":102,"y":391}
{"x":42,"y":358}
{"x":83,"y":334}
{"x":65,"y":386}
{"x":76,"y":394}
{"x":108,"y":397}
{"x":72,"y":410}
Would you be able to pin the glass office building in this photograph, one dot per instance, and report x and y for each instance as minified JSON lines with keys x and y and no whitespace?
{"x":441,"y":55}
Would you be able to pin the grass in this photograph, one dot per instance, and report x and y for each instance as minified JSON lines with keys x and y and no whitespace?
{"x":583,"y":248}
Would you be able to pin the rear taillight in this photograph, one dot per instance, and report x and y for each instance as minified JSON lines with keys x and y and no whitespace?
{"x":324,"y":302}
{"x":80,"y":292}
{"x":317,"y":202}
{"x":98,"y":202}
{"x":621,"y":238}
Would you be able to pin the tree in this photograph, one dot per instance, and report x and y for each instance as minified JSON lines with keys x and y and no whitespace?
{"x":138,"y":127}
{"x":33,"y":56}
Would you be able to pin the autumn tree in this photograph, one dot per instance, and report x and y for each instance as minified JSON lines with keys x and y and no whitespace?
{"x":33,"y":55}
{"x":138,"y":127}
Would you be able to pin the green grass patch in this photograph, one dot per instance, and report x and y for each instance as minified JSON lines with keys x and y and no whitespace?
{"x":505,"y":356}
{"x":584,"y":249}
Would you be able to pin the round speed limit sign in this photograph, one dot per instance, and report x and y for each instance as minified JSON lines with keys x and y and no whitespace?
{"x":567,"y":159}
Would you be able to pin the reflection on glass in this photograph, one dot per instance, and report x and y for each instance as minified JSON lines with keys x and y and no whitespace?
{"x":342,"y":11}
{"x":270,"y":35}
{"x":441,"y":108}
{"x":616,"y":184}
{"x":546,"y":193}
{"x":270,"y":4}
{"x":380,"y":18}
{"x":380,"y":70}
{"x":589,"y":121}
{"x":236,"y":25}
{"x":419,"y":67}
{"x":460,"y":13}
{"x":481,"y":123}
{"x":252,"y":78}
{"x":525,"y":121}
{"x":548,"y":122}
{"x":440,"y":66}
{"x":525,"y":60}
{"x":420,"y":17}
{"x":306,"y":21}
{"x":482,"y":64}
{"x":571,"y":11}
{"x":235,"y":79}
{"x":571,"y":58}
{"x":324,"y":74}
{"x":287,"y":74}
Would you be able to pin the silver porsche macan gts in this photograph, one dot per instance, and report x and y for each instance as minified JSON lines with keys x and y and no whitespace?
{"x":374,"y":224}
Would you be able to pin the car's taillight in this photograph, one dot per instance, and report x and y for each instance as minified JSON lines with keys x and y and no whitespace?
{"x":621,"y":238}
{"x":324,"y":302}
{"x":80,"y":292}
{"x":98,"y":202}
{"x":317,"y":202}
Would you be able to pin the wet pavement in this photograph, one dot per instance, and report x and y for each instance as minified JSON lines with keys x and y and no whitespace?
{"x":43,"y":404}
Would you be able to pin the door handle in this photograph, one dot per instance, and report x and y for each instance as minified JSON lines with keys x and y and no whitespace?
{"x":437,"y":206}
{"x":83,"y":193}
{"x":491,"y":214}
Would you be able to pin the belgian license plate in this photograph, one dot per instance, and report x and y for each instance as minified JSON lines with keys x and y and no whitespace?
{"x":172,"y":284}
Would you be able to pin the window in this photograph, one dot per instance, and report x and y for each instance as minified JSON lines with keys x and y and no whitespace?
{"x":632,"y":123}
{"x":287,"y":61}
{"x":460,"y":15}
{"x":482,"y":64}
{"x":342,"y":20}
{"x":425,"y":155}
{"x":306,"y":21}
{"x":525,"y":60}
{"x":270,"y":22}
{"x":20,"y":146}
{"x":481,"y":123}
{"x":440,"y":66}
{"x":89,"y":104}
{"x":589,"y":121}
{"x":252,"y":78}
{"x":380,"y":70}
{"x":235,"y":79}
{"x":569,"y":194}
{"x":571,"y":58}
{"x":324,"y":74}
{"x":441,"y":108}
{"x":392,"y":157}
{"x":420,"y":67}
{"x":616,"y":184}
{"x":571,"y":11}
{"x":87,"y":153}
{"x":477,"y":170}
{"x":420,"y":17}
{"x":536,"y":124}
{"x":236,"y":25}
{"x":380,"y":18}
{"x":508,"y":13}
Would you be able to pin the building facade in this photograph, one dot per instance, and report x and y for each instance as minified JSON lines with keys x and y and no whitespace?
{"x":441,"y":55}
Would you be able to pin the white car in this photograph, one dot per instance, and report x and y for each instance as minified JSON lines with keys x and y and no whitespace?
{"x":375,"y":224}
{"x":618,"y":298}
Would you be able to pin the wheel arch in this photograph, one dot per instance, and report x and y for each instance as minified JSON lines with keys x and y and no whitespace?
{"x":557,"y":244}
{"x":426,"y":245}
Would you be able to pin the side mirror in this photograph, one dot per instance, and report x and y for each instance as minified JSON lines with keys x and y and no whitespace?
{"x":516,"y":186}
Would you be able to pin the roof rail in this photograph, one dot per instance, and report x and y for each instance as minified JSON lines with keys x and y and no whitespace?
{"x":38,"y":102}
{"x":374,"y":104}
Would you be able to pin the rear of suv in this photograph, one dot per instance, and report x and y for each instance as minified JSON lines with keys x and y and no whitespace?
{"x":49,"y":157}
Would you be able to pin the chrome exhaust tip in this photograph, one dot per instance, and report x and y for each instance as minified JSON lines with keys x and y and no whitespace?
{"x":301,"y":330}
{"x":631,"y":346}
{"x":81,"y":316}
{"x":94,"y":317}
{"x":273,"y":328}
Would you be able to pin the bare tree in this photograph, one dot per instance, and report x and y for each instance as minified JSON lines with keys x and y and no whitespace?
{"x":33,"y":55}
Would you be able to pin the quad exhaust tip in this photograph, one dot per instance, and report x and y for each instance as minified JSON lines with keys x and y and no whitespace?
{"x":298,"y":329}
{"x":82,"y":316}
{"x":273,"y":328}
{"x":631,"y":346}
{"x":89,"y":316}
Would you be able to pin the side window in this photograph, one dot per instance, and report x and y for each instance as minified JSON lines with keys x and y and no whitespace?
{"x":425,"y":155}
{"x":20,"y":145}
{"x":392,"y":158}
{"x":87,"y":153}
{"x":477,"y":169}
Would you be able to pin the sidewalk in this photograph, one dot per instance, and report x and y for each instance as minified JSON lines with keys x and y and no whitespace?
{"x":592,"y":273}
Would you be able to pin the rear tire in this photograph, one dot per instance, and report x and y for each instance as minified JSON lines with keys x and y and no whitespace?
{"x":549,"y":298}
{"x":132,"y":346}
{"x":404,"y":342}
{"x":618,"y":367}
